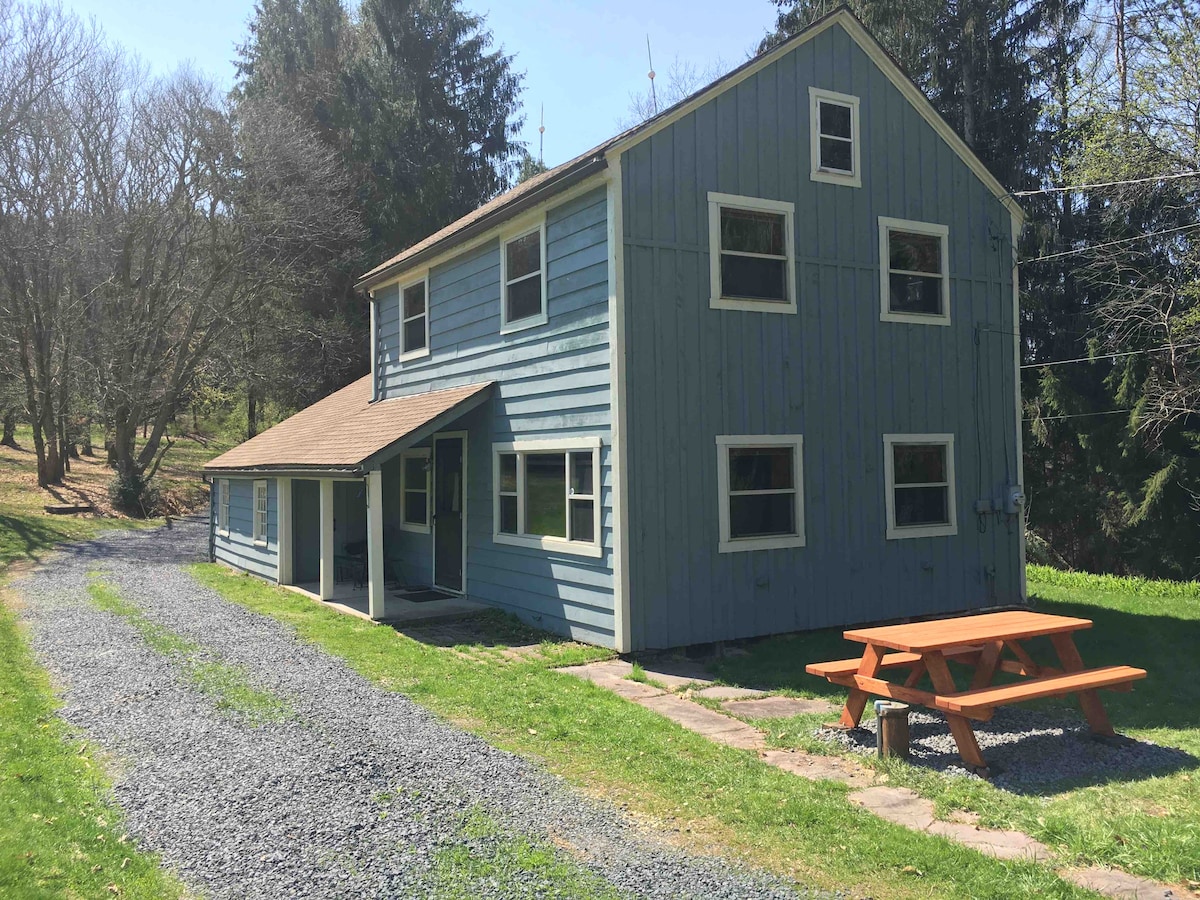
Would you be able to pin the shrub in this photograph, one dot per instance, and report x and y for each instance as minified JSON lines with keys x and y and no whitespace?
{"x":135,"y":495}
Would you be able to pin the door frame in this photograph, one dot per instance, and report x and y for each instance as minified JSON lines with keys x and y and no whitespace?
{"x":443,"y":436}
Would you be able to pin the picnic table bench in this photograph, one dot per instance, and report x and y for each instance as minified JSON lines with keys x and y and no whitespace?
{"x":978,"y":642}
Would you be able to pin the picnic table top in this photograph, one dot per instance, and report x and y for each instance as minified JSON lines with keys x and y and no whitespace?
{"x":921,"y":637}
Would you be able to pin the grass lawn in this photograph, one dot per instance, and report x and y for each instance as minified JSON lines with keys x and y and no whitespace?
{"x":713,"y":798}
{"x":1146,"y":825}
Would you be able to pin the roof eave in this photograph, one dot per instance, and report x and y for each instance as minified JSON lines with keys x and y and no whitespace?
{"x":584,"y":168}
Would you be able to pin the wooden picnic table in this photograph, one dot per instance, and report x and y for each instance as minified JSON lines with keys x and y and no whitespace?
{"x":980,"y":643}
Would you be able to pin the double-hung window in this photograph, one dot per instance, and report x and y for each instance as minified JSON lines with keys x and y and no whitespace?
{"x":260,"y":512}
{"x":415,"y":474}
{"x":414,"y":319}
{"x":760,"y":481}
{"x":547,"y":495}
{"x":523,"y":279}
{"x":919,"y":473}
{"x":835,"y":139}
{"x":752,"y":253}
{"x":914,"y":278}
{"x":223,"y":506}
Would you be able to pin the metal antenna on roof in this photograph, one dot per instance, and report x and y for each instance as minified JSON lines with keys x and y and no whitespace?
{"x":542,"y":137}
{"x":650,"y":75}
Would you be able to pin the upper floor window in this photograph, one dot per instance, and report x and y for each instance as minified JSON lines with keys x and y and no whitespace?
{"x":523,"y":280}
{"x":914,"y":278}
{"x":752,"y":253}
{"x":760,"y":480}
{"x":546,"y":495}
{"x":414,"y":319}
{"x":260,"y":512}
{"x":835,"y":138}
{"x":919,"y":480}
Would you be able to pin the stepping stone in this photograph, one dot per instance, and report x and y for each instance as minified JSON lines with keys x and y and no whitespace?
{"x":631,"y":690}
{"x":776,"y":707}
{"x":600,"y":672}
{"x":705,"y":722}
{"x":721,"y":692}
{"x":818,"y":768}
{"x":1115,"y":883}
{"x":676,"y":674}
{"x":906,"y":807}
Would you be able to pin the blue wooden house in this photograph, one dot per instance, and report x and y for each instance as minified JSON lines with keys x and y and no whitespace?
{"x":748,"y":368}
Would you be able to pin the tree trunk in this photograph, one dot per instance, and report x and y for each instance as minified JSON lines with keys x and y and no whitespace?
{"x":9,"y":438}
{"x":86,"y":438}
{"x":251,"y":411}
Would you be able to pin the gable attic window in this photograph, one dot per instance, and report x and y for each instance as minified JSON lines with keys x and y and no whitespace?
{"x":835,"y":139}
{"x":414,"y":319}
{"x":546,"y":495}
{"x":914,"y":279}
{"x":919,"y":481}
{"x":760,"y":484}
{"x":752,"y":253}
{"x":523,"y":279}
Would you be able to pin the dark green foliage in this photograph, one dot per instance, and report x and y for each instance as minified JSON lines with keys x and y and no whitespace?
{"x":134,"y":494}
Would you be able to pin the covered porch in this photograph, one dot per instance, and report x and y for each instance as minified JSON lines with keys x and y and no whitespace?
{"x":355,"y":504}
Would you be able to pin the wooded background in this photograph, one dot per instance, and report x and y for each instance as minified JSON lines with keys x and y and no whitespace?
{"x":170,"y":254}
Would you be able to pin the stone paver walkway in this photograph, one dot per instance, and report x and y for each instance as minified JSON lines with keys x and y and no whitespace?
{"x":900,"y":806}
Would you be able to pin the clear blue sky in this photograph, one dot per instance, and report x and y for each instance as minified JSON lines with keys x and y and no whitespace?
{"x":582,"y":59}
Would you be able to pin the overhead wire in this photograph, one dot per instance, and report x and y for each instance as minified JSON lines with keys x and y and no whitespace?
{"x":1106,"y":412}
{"x":1104,"y":184}
{"x":1083,"y":359}
{"x":1136,"y":237}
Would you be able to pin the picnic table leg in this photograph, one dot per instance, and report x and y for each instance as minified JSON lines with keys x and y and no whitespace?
{"x":960,"y":727}
{"x":1068,"y":655}
{"x":857,"y":701}
{"x":985,"y":669}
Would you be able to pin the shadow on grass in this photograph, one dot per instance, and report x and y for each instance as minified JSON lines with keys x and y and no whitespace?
{"x":28,"y":537}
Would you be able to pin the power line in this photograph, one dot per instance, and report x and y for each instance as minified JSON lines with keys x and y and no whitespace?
{"x":1083,"y":359}
{"x":1136,"y":237}
{"x":1104,"y":184}
{"x":1107,"y":412}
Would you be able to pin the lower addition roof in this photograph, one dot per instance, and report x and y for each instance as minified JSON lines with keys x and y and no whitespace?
{"x":347,"y":433}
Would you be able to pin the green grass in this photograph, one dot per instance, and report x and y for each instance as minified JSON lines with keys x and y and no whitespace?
{"x":486,"y":856}
{"x":1145,"y":825}
{"x":61,"y":835}
{"x":226,"y":684}
{"x":716,"y":798}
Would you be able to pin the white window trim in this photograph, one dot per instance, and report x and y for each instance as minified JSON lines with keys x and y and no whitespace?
{"x":887,"y":225}
{"x":526,"y":229}
{"x":223,"y":507}
{"x":726,"y":442}
{"x":852,"y":178}
{"x":423,"y":351}
{"x":897,"y":532}
{"x":716,"y":202}
{"x":260,"y":533}
{"x":416,"y":453}
{"x":594,"y":549}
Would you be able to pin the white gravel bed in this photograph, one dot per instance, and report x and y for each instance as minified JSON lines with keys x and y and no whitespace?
{"x":353,"y":797}
{"x":1028,"y":751}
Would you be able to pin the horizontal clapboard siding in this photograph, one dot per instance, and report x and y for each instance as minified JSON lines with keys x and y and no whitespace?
{"x":833,"y":372}
{"x":552,"y":381}
{"x":238,"y":549}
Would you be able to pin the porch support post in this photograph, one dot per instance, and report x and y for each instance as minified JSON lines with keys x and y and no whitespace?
{"x":326,"y":538}
{"x":283,"y":493}
{"x":375,"y":586}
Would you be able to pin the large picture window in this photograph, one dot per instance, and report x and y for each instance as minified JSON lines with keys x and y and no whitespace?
{"x":547,"y":495}
{"x":835,"y":139}
{"x":523,"y":280}
{"x":414,"y":320}
{"x":914,"y":278}
{"x":760,"y":481}
{"x":919,"y":473}
{"x":260,"y":512}
{"x":415,"y":474}
{"x":752,"y":253}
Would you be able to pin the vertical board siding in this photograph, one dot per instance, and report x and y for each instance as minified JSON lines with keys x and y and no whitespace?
{"x":833,"y":372}
{"x":238,"y":549}
{"x":552,"y":381}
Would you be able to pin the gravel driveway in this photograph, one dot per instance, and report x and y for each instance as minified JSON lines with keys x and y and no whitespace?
{"x":361,"y":793}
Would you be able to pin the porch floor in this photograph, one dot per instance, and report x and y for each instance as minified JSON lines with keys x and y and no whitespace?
{"x":353,"y":600}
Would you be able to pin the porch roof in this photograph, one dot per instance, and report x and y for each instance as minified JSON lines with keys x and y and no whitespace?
{"x":346,"y":433}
